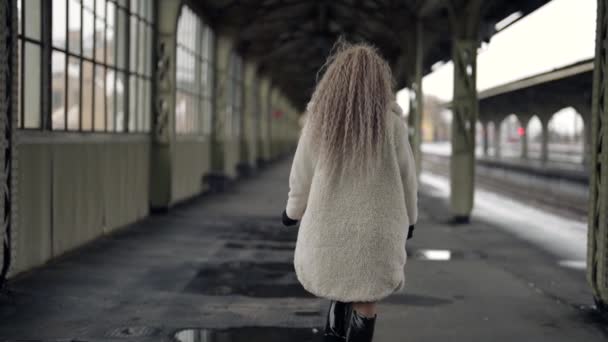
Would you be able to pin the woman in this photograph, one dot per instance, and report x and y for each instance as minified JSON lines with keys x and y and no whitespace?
{"x":353,"y":186}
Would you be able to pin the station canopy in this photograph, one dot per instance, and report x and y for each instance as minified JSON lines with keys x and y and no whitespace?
{"x":291,"y":39}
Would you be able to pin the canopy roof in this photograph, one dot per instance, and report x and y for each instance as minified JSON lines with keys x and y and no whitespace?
{"x":290,"y":39}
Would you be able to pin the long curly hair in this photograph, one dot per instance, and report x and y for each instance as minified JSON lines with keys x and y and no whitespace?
{"x":346,"y":115}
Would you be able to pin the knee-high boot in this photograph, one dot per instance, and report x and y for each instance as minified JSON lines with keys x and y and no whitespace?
{"x":338,"y":317}
{"x":360,"y":328}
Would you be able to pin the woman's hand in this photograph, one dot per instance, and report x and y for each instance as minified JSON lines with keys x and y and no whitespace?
{"x":287,"y":221}
{"x":410,"y":233}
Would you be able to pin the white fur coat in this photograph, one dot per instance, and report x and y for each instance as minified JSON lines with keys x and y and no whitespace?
{"x":351,"y":242}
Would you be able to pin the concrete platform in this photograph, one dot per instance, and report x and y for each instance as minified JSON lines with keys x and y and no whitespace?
{"x":223,"y":263}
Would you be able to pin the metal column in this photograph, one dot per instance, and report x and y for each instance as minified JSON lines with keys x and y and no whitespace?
{"x":597,"y":257}
{"x":544,"y":143}
{"x":163,"y":136}
{"x":486,"y":142}
{"x":8,"y":119}
{"x":497,"y":147}
{"x":465,"y":106}
{"x":524,"y":120}
{"x":417,"y":99}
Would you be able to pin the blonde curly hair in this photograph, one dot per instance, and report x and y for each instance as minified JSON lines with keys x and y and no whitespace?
{"x":346,"y":115}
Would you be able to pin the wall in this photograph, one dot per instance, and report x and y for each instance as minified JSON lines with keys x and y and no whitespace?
{"x":75,"y":189}
{"x":191,"y":162}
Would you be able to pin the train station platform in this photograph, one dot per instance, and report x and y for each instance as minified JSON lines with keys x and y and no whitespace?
{"x":219,"y":268}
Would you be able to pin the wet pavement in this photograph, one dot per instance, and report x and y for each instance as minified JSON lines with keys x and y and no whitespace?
{"x":219,"y":268}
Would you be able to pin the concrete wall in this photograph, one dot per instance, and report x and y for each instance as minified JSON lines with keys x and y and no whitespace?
{"x":72,"y":191}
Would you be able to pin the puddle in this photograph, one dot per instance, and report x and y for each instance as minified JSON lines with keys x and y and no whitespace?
{"x":574,"y":264}
{"x":443,"y":255}
{"x":249,"y":334}
{"x":261,"y":246}
{"x":267,"y":280}
{"x":132,"y":332}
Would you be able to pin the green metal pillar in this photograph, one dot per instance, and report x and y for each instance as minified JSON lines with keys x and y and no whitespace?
{"x":544,"y":140}
{"x":249,"y":144}
{"x":417,"y":99}
{"x":486,"y":143}
{"x":8,"y":121}
{"x":163,"y":136}
{"x":597,"y":251}
{"x":223,"y":147}
{"x":497,"y":147}
{"x":462,"y":163}
{"x":264,"y":123}
{"x":465,"y":22}
{"x":524,"y":120}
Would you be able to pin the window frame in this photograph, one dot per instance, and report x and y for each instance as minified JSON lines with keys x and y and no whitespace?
{"x":106,"y":64}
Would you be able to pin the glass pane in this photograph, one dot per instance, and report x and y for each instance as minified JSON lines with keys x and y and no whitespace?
{"x":133,"y":104}
{"x":110,"y":46}
{"x":194,"y":102}
{"x":59,"y":23}
{"x":149,"y":51}
{"x":134,"y":35}
{"x":120,"y":99}
{"x":88,"y":28}
{"x":141,"y":66}
{"x":148,"y":106}
{"x":208,"y":118}
{"x":149,"y":11}
{"x":188,"y":115}
{"x":121,"y":39}
{"x":110,"y":86}
{"x":100,"y":43}
{"x":148,"y":101}
{"x":204,"y":78}
{"x":32,"y":19}
{"x":100,"y":8}
{"x":110,"y":13}
{"x":87,"y":96}
{"x":74,"y":26}
{"x":73,"y":94}
{"x":141,"y":107}
{"x":88,"y":4}
{"x":180,"y":112}
{"x":19,"y":16}
{"x":135,"y":6}
{"x":143,"y":8}
{"x":100,"y":98}
{"x":58,"y":90}
{"x":31,"y":86}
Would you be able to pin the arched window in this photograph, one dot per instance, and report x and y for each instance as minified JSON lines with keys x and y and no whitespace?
{"x":491,"y":138}
{"x":566,"y":140}
{"x":534,"y":132}
{"x":510,"y":137}
{"x":194,"y":74}
{"x":479,"y":138}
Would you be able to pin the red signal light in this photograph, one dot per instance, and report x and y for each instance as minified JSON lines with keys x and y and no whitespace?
{"x":521,"y":131}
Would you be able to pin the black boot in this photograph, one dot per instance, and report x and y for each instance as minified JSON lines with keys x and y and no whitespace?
{"x":361,"y":328}
{"x":337,"y":321}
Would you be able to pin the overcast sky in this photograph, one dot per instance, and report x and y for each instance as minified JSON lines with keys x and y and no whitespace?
{"x":559,"y":33}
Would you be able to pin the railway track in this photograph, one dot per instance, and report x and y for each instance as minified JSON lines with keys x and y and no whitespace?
{"x":560,"y":196}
